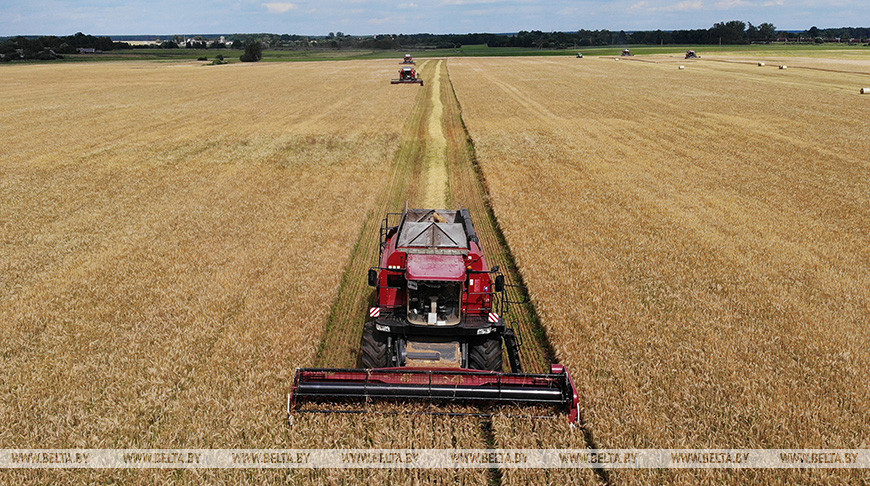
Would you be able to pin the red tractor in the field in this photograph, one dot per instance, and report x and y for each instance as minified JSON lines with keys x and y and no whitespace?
{"x":690,"y":54}
{"x":407,"y":75}
{"x":408,"y":59}
{"x":436,"y":329}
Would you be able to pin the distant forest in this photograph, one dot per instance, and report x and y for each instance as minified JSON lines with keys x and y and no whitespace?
{"x":52,"y":47}
{"x":731,"y":32}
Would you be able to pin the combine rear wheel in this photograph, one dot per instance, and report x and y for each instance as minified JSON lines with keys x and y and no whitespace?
{"x":485,"y":355}
{"x":374,"y":348}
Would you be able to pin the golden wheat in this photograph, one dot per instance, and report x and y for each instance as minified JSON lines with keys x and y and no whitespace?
{"x":696,"y":243}
{"x":173,"y":237}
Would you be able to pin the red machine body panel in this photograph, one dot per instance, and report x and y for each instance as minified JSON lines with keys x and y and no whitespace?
{"x":397,"y":266}
{"x":435,"y":267}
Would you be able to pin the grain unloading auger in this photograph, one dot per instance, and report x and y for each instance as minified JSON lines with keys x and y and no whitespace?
{"x":436,"y":331}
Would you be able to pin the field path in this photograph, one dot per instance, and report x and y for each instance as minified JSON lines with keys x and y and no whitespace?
{"x":435,"y":166}
{"x":339,"y":345}
{"x":468,"y":189}
{"x":434,"y":191}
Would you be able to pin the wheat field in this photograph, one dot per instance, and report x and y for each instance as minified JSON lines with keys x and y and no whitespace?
{"x":696,"y":242}
{"x":174,"y":239}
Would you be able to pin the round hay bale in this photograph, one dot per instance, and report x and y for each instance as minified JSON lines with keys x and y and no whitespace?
{"x":865,"y":90}
{"x":761,"y":64}
{"x":783,"y":66}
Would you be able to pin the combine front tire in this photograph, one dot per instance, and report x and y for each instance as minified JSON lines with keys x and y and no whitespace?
{"x":485,"y":355}
{"x":374,"y":348}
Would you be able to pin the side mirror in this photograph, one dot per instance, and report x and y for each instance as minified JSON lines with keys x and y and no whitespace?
{"x":373,"y":277}
{"x":494,"y":269}
{"x":499,"y":283}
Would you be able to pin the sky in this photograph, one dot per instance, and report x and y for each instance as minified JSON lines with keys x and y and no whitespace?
{"x":365,"y":17}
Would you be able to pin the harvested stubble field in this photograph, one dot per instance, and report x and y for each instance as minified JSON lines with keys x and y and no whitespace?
{"x":173,"y":238}
{"x":697,"y":243}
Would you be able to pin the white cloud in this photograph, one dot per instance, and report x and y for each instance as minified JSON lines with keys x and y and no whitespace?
{"x":279,"y":7}
{"x":407,"y":5}
{"x":387,"y":20}
{"x":684,"y":6}
{"x":726,"y":4}
{"x":483,"y":11}
{"x":467,"y":2}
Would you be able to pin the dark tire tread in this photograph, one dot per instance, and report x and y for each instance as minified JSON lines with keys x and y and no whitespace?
{"x":374,"y":348}
{"x":485,"y":355}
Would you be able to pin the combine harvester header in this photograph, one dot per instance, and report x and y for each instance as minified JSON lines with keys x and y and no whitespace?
{"x":437,"y":385}
{"x":437,"y":331}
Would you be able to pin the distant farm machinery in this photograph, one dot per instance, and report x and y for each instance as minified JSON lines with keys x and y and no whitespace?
{"x":407,"y":75}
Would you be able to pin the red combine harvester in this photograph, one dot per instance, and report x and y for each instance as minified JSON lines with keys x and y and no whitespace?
{"x":408,"y":59}
{"x":436,"y":330}
{"x":407,"y":74}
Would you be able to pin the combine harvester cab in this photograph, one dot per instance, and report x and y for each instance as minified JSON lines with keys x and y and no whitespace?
{"x":437,"y":331}
{"x":407,"y":75}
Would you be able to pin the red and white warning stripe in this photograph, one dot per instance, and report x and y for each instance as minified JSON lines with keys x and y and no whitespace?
{"x":493,"y":317}
{"x":374,"y":312}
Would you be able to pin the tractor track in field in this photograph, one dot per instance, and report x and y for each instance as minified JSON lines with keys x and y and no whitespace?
{"x":434,"y":131}
{"x":436,"y":165}
{"x":339,"y":345}
{"x":468,"y":188}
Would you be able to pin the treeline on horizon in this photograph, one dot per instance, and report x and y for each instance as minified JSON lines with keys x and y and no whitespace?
{"x":52,"y":47}
{"x":732,"y":33}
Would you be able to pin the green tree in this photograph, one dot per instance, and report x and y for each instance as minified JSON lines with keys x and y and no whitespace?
{"x":731,"y":32}
{"x":752,"y":33}
{"x":253,"y":52}
{"x":767,"y":31}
